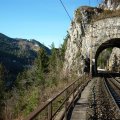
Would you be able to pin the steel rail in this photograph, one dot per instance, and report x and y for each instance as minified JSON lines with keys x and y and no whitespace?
{"x":114,"y":78}
{"x":107,"y":86}
{"x":115,"y":81}
{"x":115,"y":84}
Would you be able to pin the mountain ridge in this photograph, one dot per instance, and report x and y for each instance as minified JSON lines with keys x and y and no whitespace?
{"x":17,"y":54}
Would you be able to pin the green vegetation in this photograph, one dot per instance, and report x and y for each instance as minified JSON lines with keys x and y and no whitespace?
{"x":78,"y":16}
{"x":104,"y":57}
{"x":92,"y":16}
{"x":35,"y":84}
{"x":64,"y":46}
{"x":18,"y":54}
{"x":2,"y":88}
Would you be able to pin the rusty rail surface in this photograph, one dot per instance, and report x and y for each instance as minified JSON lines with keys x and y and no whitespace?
{"x":69,"y":95}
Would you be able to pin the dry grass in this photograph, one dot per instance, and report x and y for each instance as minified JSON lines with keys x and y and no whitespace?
{"x":49,"y":92}
{"x":106,"y":14}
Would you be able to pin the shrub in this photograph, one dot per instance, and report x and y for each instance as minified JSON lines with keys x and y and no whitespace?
{"x":106,"y":14}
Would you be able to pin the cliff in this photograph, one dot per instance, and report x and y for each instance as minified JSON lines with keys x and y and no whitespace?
{"x":91,"y":28}
{"x":114,"y":60}
{"x":110,"y":5}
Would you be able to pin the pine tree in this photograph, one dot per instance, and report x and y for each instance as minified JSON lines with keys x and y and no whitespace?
{"x":54,"y":64}
{"x":2,"y":87}
{"x":53,"y":58}
{"x":41,"y":64}
{"x":63,"y":47}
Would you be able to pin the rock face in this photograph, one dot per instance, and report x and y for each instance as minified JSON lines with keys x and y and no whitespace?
{"x":110,"y":5}
{"x":87,"y":36}
{"x":114,"y":61}
{"x":73,"y":57}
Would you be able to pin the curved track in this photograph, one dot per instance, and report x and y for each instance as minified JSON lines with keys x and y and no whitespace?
{"x":113,"y":87}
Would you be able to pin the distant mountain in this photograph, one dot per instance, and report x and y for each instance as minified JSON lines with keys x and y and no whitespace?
{"x":17,"y":54}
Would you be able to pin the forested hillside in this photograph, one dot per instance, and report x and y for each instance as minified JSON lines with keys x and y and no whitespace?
{"x":37,"y":73}
{"x":18,"y":54}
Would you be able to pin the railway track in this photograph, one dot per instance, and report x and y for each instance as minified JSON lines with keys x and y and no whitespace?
{"x":115,"y":91}
{"x":113,"y":88}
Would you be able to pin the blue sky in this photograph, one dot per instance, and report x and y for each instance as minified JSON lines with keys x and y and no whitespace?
{"x":43,"y":20}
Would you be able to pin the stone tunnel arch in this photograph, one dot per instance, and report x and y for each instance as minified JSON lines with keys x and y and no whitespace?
{"x":115,"y":42}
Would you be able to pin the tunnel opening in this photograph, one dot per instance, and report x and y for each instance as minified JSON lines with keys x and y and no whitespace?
{"x":102,"y":58}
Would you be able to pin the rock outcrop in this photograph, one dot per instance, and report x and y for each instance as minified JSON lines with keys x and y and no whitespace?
{"x":110,"y":5}
{"x":114,"y":61}
{"x":86,"y":34}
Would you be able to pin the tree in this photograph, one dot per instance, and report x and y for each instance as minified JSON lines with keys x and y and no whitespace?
{"x":41,"y":65}
{"x":35,"y":75}
{"x":53,"y":58}
{"x":31,"y":81}
{"x":56,"y":63}
{"x":63,"y":47}
{"x":2,"y":87}
{"x":2,"y":78}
